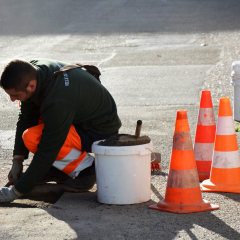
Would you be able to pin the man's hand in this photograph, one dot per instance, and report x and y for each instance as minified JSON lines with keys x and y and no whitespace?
{"x":9,"y":194}
{"x":17,"y":168}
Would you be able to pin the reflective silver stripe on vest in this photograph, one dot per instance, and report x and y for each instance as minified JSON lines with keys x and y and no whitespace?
{"x":64,"y":75}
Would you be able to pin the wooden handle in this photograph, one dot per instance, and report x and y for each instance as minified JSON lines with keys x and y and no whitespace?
{"x":138,"y":128}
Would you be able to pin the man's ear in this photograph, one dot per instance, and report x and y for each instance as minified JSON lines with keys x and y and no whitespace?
{"x":32,"y":86}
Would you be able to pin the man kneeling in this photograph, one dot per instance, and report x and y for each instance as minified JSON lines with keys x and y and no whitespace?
{"x":57,"y":123}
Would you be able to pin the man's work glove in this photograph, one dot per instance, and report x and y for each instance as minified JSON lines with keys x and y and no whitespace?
{"x":9,"y":194}
{"x":17,"y":168}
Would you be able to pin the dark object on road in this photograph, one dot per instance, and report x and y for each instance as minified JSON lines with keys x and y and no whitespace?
{"x":125,"y":140}
{"x":9,"y":183}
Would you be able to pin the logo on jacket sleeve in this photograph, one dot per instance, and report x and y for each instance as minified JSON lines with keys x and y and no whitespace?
{"x":66,"y":80}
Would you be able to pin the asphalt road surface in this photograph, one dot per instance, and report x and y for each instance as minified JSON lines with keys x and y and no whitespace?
{"x":156,"y":56}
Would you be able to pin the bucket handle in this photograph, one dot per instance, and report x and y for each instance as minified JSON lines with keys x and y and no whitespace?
{"x":144,"y":152}
{"x":153,"y":154}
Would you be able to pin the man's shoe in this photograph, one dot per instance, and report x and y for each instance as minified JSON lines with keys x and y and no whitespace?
{"x":87,"y":171}
{"x":82,"y":184}
{"x":55,"y":175}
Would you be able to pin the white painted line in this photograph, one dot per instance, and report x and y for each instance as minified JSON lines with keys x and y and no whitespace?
{"x":107,"y":59}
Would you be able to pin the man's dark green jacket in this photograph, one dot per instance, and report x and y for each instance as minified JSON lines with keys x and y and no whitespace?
{"x":78,"y":99}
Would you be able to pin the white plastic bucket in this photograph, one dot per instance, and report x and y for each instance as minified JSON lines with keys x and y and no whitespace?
{"x":123,"y":173}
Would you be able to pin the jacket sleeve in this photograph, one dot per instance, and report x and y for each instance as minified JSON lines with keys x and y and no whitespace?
{"x":57,"y":118}
{"x":28,"y":117}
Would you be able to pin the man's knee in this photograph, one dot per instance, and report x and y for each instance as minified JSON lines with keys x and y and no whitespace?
{"x":31,"y":138}
{"x":25,"y":136}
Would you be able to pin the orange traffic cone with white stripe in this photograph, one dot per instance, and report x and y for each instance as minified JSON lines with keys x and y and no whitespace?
{"x":225,"y":171}
{"x":183,"y":193}
{"x":205,"y":136}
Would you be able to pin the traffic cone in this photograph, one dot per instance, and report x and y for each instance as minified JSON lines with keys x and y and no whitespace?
{"x":205,"y":136}
{"x":183,"y":193}
{"x":225,"y":171}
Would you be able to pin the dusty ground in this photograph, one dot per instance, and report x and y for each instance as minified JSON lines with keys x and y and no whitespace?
{"x":178,"y":48}
{"x":43,"y":196}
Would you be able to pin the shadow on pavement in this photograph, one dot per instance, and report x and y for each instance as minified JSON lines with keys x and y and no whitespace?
{"x":16,"y":205}
{"x":42,"y":196}
{"x":90,"y":219}
{"x":121,"y":17}
{"x":233,"y":196}
{"x":156,"y":192}
{"x":93,"y":220}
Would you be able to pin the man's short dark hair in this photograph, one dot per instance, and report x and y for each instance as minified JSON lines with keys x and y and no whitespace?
{"x":17,"y":74}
